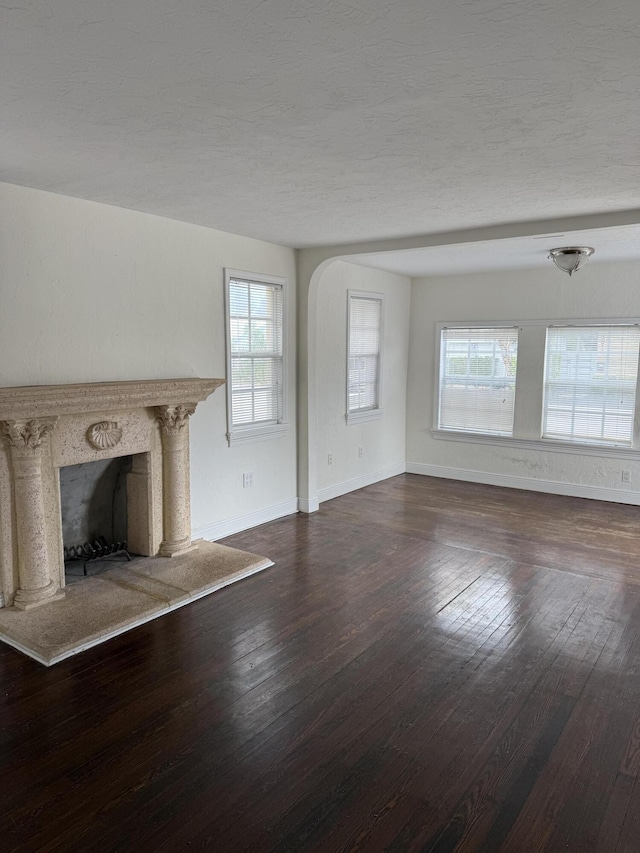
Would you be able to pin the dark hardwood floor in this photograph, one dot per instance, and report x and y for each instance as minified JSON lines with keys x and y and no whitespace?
{"x":430,"y":665}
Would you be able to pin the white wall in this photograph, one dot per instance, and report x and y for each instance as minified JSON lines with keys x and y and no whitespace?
{"x":598,"y":291}
{"x":382,"y":440}
{"x":91,"y":292}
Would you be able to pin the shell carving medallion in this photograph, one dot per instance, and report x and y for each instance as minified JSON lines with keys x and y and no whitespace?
{"x":104,"y":434}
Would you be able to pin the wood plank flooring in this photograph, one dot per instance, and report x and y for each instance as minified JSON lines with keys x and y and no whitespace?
{"x":429,"y":666}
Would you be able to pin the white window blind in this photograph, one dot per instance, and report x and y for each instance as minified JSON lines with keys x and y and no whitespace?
{"x":590,"y":383}
{"x":478,"y":380}
{"x":365,"y":332}
{"x":256,"y":352}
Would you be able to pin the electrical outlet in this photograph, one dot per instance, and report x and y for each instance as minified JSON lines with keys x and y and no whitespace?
{"x":626,"y":476}
{"x":330,"y":459}
{"x":361,"y":451}
{"x":247,"y":480}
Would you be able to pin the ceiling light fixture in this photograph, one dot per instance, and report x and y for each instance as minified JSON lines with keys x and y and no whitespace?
{"x":571,"y":258}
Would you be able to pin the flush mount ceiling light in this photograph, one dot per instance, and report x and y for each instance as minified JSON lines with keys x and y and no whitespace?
{"x":571,"y":258}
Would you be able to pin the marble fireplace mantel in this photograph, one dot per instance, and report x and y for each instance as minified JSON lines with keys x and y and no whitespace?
{"x":50,"y":426}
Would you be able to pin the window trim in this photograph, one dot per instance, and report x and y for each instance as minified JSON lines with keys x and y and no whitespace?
{"x":614,"y":451}
{"x":626,"y":445}
{"x":478,"y":324}
{"x":373,"y":413}
{"x":539,"y":443}
{"x":253,"y":432}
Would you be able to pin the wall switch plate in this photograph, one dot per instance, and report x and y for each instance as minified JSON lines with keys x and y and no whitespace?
{"x":247,"y":480}
{"x":626,"y":476}
{"x":361,"y":451}
{"x":330,"y":459}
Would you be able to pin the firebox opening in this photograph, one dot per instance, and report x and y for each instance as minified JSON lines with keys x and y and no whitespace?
{"x":93,"y":499}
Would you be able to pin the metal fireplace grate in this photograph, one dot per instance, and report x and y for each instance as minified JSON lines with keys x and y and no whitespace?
{"x":99,"y":549}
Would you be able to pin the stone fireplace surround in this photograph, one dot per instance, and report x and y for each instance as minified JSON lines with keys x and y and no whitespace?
{"x":51,"y":426}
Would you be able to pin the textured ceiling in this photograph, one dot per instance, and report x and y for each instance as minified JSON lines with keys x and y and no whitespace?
{"x":310,"y":123}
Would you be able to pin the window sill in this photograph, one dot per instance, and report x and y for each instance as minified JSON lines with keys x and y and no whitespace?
{"x":250,"y":434}
{"x":548,"y":444}
{"x":362,"y":417}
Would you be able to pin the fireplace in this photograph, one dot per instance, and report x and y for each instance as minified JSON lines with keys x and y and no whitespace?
{"x":48,"y":428}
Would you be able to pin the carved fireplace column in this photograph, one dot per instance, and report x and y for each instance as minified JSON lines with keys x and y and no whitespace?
{"x":25,"y":442}
{"x":176,"y":515}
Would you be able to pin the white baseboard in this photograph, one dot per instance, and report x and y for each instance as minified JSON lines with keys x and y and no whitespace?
{"x":238,"y":523}
{"x":308,"y":504}
{"x":229,"y":526}
{"x":530,"y":484}
{"x":360,"y":482}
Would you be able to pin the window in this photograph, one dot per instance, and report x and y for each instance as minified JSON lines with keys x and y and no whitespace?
{"x":364,"y":355}
{"x":590,"y":383}
{"x":478,"y":380}
{"x":255,"y":355}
